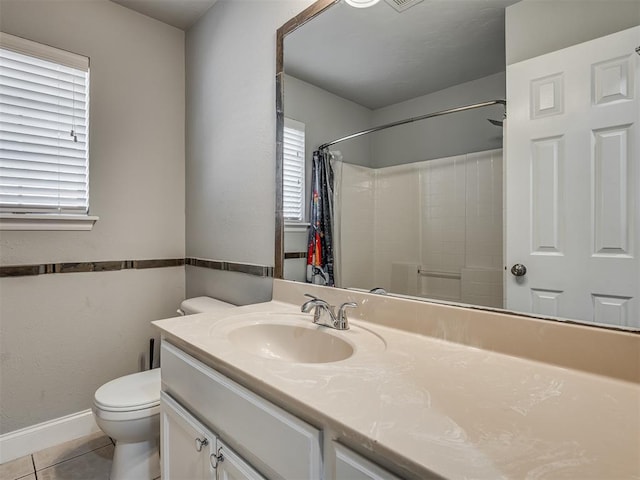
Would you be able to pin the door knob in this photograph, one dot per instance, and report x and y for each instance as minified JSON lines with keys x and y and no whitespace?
{"x":519,"y":270}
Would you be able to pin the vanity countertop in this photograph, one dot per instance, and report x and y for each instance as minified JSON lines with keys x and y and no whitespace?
{"x":429,"y":406}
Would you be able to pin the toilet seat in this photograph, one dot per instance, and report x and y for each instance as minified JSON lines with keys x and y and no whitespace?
{"x":125,"y":396}
{"x":125,"y":416}
{"x":127,"y":409}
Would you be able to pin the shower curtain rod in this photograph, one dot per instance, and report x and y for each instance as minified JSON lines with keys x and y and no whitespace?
{"x":414,"y":119}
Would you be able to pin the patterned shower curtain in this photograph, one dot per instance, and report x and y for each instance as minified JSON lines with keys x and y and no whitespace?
{"x":320,"y":243}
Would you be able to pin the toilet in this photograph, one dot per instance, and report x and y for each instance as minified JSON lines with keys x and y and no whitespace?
{"x":127,"y":409}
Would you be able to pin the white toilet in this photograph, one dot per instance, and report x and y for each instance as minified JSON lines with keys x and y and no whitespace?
{"x":127,"y":409}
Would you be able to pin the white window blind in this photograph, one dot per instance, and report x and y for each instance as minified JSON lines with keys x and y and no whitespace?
{"x":293,"y":170}
{"x":44,"y":97}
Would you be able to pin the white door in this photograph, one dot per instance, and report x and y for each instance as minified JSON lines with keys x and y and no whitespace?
{"x":572,"y":177}
{"x":186,"y":445}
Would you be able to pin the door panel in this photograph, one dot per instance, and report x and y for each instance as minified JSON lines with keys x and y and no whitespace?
{"x":186,"y":444}
{"x":572,"y":180}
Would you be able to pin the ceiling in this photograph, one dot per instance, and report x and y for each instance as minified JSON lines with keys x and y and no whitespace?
{"x":378,"y":56}
{"x":179,"y":13}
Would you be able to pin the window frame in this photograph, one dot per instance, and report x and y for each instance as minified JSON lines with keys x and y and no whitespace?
{"x":299,"y":127}
{"x":38,"y":218}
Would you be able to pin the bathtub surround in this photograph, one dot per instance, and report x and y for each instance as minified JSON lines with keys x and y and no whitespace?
{"x":446,"y":245}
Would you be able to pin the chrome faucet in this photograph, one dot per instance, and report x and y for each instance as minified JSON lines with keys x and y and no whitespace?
{"x":323,"y":309}
{"x":378,"y":290}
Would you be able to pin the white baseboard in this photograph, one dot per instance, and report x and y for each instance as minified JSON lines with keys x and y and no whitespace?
{"x":47,"y":434}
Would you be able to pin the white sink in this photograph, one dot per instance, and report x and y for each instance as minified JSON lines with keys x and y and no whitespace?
{"x":292,"y":343}
{"x":295,"y":338}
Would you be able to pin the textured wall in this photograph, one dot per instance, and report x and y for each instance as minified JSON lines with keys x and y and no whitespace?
{"x":64,"y":334}
{"x":231,"y":123}
{"x":444,"y":136}
{"x":327,"y":117}
{"x":536,"y":27}
{"x":136,"y":131}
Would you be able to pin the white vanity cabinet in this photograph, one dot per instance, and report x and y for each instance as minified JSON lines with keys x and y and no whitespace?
{"x":274,"y":442}
{"x":190,"y":451}
{"x":269,"y":442}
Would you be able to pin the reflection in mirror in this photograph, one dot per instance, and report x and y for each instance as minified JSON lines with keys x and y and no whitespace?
{"x":422,"y":209}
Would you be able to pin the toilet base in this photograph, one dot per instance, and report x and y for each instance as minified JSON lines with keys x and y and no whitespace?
{"x":136,"y":461}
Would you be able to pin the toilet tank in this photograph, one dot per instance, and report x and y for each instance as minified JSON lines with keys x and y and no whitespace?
{"x":202,"y":304}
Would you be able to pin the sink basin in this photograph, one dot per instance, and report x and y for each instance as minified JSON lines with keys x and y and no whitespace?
{"x":291,"y":343}
{"x":294,"y":338}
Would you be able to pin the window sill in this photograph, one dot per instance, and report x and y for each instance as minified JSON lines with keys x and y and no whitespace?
{"x":295,"y":226}
{"x":26,"y":222}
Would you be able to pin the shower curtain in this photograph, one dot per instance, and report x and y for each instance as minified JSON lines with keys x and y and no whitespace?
{"x":336,"y":166}
{"x":320,"y":243}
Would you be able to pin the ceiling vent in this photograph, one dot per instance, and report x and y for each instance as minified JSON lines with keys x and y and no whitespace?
{"x":402,"y":5}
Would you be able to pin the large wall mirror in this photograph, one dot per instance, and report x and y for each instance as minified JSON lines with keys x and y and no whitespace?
{"x":530,"y":207}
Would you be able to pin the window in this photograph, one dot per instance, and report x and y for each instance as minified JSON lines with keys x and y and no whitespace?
{"x":293,"y":171}
{"x":44,"y":167}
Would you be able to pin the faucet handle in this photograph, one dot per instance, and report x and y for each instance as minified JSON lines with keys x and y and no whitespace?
{"x":342,"y":322}
{"x":346,"y":305}
{"x":316,"y":301}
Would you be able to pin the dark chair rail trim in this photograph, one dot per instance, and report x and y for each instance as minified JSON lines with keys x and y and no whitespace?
{"x":114,"y":265}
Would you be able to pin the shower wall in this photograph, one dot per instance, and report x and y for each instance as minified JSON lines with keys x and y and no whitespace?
{"x":355,"y":214}
{"x":436,"y":230}
{"x":385,"y":219}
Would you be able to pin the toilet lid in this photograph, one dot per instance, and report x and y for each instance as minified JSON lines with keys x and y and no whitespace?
{"x":131,"y":392}
{"x":203,"y":304}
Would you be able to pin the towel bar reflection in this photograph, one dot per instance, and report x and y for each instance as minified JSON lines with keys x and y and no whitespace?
{"x":438,"y":274}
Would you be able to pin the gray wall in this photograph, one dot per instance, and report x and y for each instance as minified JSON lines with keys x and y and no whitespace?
{"x":230,"y":162}
{"x":63,"y":335}
{"x":536,"y":27}
{"x":444,"y":136}
{"x":326,"y":117}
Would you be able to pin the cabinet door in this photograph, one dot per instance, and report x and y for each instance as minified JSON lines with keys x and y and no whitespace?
{"x":186,"y":445}
{"x":232,"y":467}
{"x":247,"y":420}
{"x":351,"y":466}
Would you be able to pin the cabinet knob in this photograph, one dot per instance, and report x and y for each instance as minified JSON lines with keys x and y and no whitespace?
{"x":200,"y":443}
{"x":216,"y":458}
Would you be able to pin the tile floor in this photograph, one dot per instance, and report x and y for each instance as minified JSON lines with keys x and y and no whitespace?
{"x":86,"y":458}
